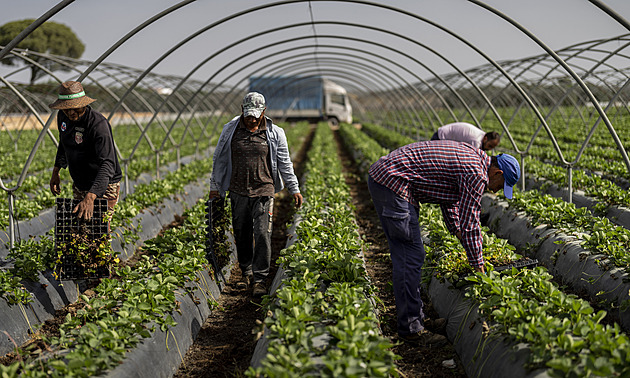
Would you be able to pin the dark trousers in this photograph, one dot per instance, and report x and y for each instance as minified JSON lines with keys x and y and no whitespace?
{"x":399,"y":219}
{"x":252,"y":220}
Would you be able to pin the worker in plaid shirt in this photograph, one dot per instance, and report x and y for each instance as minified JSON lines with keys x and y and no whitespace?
{"x":451,"y":174}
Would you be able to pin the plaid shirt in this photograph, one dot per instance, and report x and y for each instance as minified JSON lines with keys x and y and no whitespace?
{"x":451,"y":174}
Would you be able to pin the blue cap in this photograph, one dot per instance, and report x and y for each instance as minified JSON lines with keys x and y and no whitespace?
{"x":511,"y":172}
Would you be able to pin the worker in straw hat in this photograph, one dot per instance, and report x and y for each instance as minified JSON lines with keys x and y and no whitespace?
{"x":86,"y":148}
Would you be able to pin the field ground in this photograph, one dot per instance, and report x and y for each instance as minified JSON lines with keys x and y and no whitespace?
{"x":226,"y":342}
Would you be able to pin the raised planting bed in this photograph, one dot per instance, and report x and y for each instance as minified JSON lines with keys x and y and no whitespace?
{"x":565,"y":258}
{"x":618,"y":214}
{"x":140,"y":323}
{"x":482,"y":354}
{"x":49,"y":295}
{"x":321,"y":317}
{"x":524,"y":322}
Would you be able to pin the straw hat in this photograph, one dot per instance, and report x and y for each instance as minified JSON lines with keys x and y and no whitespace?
{"x":71,"y":95}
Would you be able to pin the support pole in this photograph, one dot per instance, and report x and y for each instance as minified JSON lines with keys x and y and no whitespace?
{"x":11,"y":220}
{"x":126,"y":168}
{"x":570,"y":179}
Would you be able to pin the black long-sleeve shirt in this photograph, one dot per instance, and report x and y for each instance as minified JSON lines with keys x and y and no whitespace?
{"x":86,"y":148}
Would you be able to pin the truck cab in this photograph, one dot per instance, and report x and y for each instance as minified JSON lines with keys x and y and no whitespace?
{"x":337,"y":107}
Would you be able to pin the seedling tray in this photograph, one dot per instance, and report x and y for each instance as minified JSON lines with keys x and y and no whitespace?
{"x":526,"y":263}
{"x":69,"y":228}
{"x":215,"y":213}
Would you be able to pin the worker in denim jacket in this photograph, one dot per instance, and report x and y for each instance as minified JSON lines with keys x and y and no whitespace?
{"x":252,"y":163}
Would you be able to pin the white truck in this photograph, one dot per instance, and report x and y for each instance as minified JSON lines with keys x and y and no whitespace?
{"x":312,"y":98}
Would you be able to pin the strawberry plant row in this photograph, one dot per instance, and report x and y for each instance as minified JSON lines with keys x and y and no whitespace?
{"x":587,"y":253}
{"x":387,"y":138}
{"x":141,"y":302}
{"x":453,"y":266}
{"x":525,"y":322}
{"x":448,"y":263}
{"x":322,"y":319}
{"x":608,"y":195}
{"x":364,"y":150}
{"x":609,"y":199}
{"x":30,"y":279}
{"x":13,"y":154}
{"x":34,"y":195}
{"x":556,"y":331}
{"x":35,"y":215}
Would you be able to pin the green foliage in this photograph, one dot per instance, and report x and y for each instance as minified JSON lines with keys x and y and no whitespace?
{"x":49,"y":38}
{"x":597,"y":234}
{"x":125,"y":310}
{"x":321,"y":322}
{"x":386,"y":138}
{"x":564,"y":332}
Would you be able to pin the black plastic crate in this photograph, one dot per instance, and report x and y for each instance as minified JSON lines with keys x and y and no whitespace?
{"x":74,"y":234}
{"x":215,"y":214}
{"x":525,"y":263}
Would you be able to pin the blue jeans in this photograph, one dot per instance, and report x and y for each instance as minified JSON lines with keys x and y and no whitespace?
{"x":399,"y":219}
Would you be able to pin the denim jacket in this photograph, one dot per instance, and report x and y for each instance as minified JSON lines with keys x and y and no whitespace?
{"x":281,"y":165}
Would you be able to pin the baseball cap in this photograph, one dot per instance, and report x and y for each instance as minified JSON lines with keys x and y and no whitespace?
{"x":253,"y":104}
{"x":511,"y":172}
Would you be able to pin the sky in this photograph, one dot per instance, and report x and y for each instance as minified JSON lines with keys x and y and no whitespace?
{"x":398,"y":36}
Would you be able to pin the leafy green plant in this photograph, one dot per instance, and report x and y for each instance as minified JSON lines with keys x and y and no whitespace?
{"x":126,"y":308}
{"x":321,"y":321}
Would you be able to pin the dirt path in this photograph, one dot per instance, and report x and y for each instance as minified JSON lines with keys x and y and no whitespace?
{"x":416,"y":361}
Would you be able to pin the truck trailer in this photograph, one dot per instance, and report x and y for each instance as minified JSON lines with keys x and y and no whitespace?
{"x":294,"y":98}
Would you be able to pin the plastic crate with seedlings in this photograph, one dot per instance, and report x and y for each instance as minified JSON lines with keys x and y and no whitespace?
{"x":216,"y":238}
{"x":82,"y":247}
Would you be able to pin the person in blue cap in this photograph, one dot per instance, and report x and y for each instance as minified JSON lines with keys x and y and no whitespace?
{"x":451,"y":174}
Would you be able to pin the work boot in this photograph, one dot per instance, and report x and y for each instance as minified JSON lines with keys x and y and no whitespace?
{"x":259,"y":289}
{"x":424,"y":338}
{"x":245,"y":282}
{"x":435,"y":325}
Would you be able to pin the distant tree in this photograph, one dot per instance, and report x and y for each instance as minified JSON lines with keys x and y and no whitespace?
{"x":49,"y":38}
